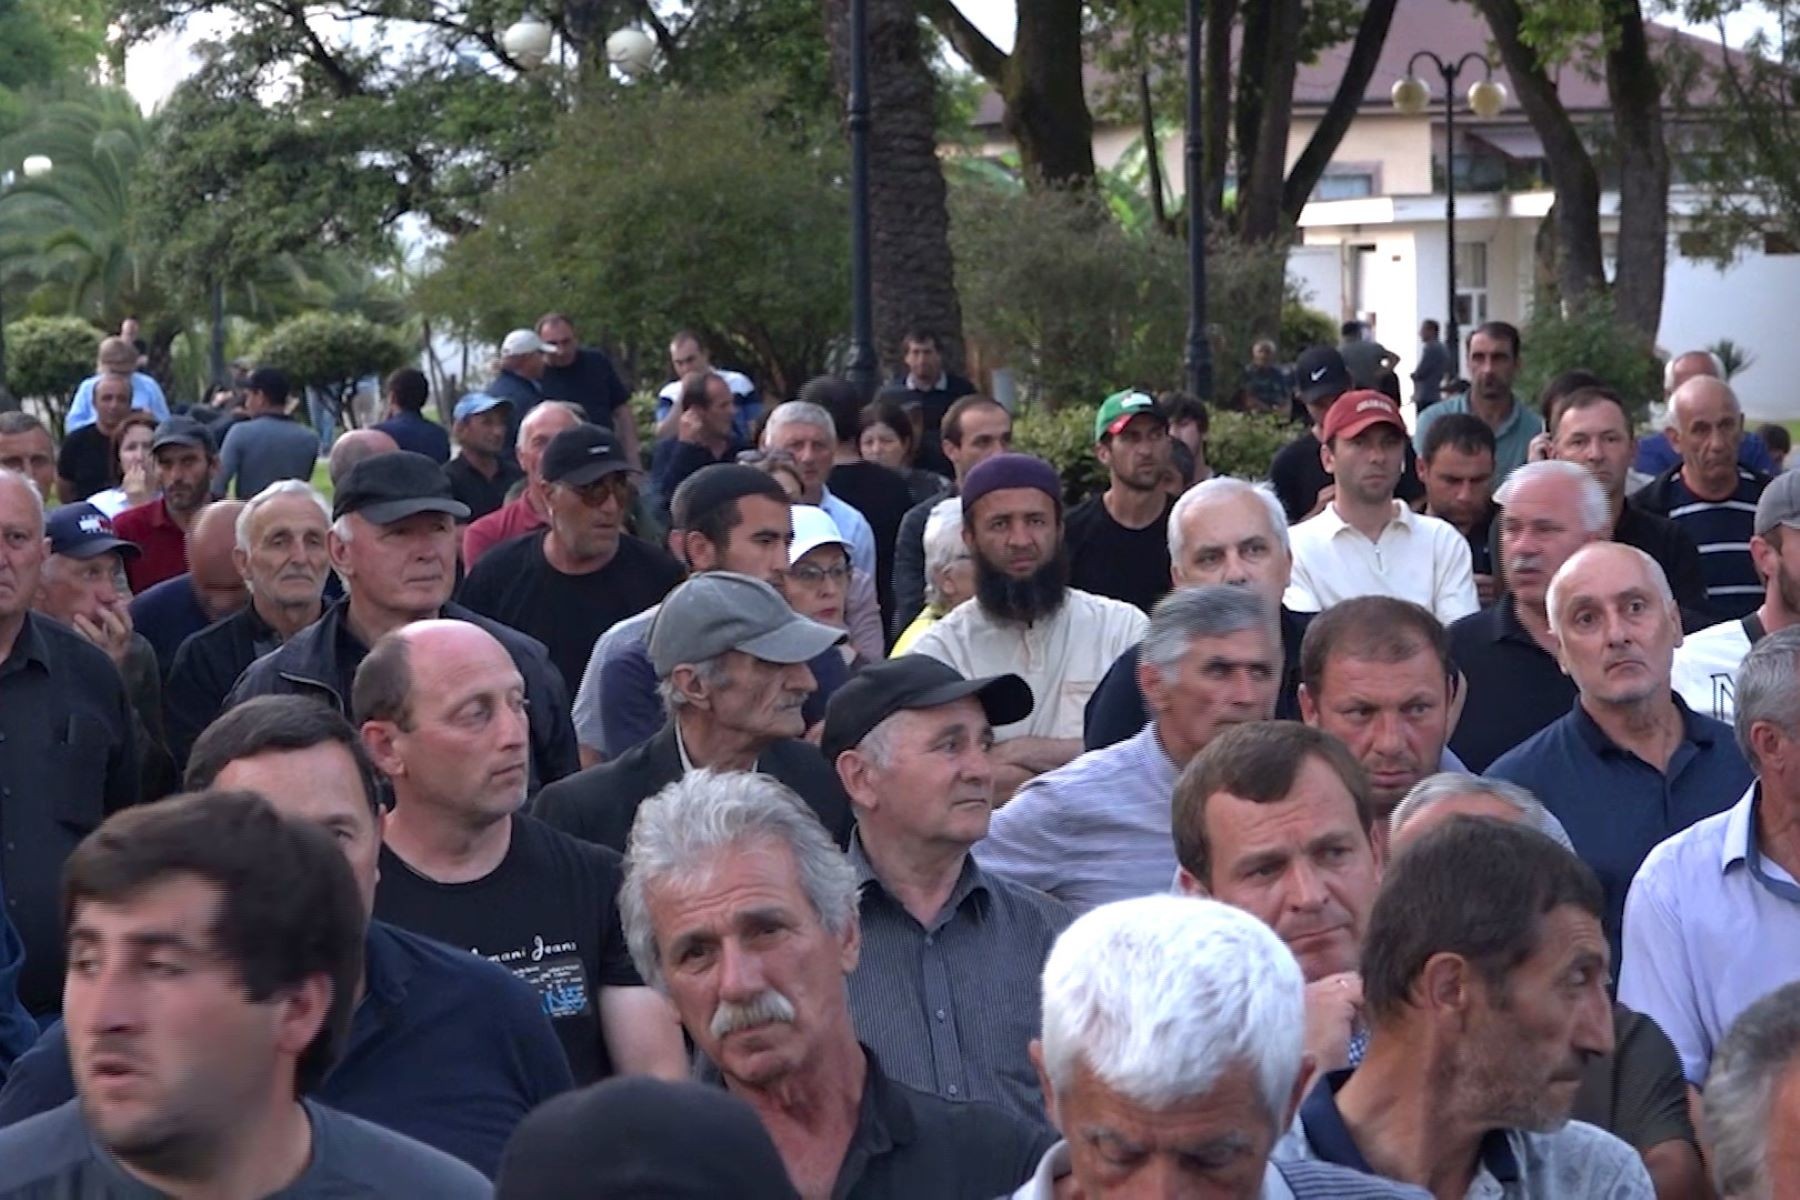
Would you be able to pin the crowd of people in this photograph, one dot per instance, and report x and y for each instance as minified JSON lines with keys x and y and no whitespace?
{"x":820,"y":803}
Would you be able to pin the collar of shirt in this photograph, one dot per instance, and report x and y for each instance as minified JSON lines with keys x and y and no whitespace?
{"x":1334,"y":521}
{"x":915,"y":384}
{"x":1162,"y":769}
{"x":1330,"y":1138}
{"x":28,"y":648}
{"x":883,"y":1121}
{"x":1504,"y":625}
{"x":971,"y":883}
{"x":1695,"y":737}
{"x":1739,"y":845}
{"x":159,"y":517}
{"x":1513,"y":417}
{"x":687,"y":764}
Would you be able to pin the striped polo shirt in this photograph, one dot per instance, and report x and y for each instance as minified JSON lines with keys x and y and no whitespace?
{"x":1722,"y":530}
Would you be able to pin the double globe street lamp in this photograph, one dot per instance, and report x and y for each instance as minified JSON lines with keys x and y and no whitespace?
{"x":529,"y":40}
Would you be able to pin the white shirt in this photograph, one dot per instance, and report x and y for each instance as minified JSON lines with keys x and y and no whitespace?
{"x":1062,"y":658}
{"x":1417,"y":558}
{"x":739,"y":384}
{"x":1706,"y":664}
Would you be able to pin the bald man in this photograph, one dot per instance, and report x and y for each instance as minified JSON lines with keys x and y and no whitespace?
{"x":351,"y":448}
{"x":1654,"y":453}
{"x":1710,"y":494}
{"x":210,"y":590}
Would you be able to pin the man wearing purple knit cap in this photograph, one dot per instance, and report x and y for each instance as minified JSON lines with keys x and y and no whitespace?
{"x":1026,"y":620}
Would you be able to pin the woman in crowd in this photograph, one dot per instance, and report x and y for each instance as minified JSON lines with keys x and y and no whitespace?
{"x":133,"y":470}
{"x":949,"y":571}
{"x":888,"y":438}
{"x":821,"y":584}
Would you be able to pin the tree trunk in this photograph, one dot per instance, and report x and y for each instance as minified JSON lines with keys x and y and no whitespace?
{"x":1260,"y":205}
{"x":909,"y":217}
{"x":1046,"y":104}
{"x":1221,"y":15}
{"x":1252,"y":74}
{"x":1159,"y":209}
{"x":1365,"y":52}
{"x":1572,"y":174}
{"x":1635,"y":88}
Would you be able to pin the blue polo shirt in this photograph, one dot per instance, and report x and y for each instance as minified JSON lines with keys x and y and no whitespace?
{"x":446,"y":1048}
{"x":1617,"y":807}
{"x":1512,"y":441}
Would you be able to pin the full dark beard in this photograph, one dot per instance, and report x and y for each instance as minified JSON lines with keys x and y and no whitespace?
{"x":1031,"y":599}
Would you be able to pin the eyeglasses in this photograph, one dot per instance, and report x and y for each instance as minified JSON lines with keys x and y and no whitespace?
{"x":813,"y":576}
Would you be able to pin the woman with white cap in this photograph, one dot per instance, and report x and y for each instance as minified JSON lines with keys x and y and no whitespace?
{"x":821,"y":584}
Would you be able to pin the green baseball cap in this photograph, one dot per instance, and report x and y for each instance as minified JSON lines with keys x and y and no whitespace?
{"x":1117,"y":410}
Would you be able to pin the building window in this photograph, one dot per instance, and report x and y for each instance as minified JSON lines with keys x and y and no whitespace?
{"x":1471,"y":284}
{"x":1345,"y":185}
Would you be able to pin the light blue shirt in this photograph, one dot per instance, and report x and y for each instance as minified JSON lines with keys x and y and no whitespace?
{"x":1704,"y":938}
{"x":1512,"y":441}
{"x":855,"y":528}
{"x":1091,"y":832}
{"x":146,"y":394}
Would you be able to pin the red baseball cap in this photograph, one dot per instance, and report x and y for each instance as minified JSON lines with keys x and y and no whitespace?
{"x":1354,"y":412}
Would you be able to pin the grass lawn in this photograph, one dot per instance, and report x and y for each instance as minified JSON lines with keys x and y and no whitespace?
{"x":321,"y":478}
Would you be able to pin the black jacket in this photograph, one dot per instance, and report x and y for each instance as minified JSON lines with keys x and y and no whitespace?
{"x":206,"y":667}
{"x":600,"y":803}
{"x":321,"y":661}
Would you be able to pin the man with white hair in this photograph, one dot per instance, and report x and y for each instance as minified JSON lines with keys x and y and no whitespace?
{"x":807,"y":432}
{"x":283,"y":559}
{"x":1654,"y":454}
{"x":1709,"y":494}
{"x":949,"y":571}
{"x":1222,"y":530}
{"x":1515,"y":687}
{"x":1753,"y":1101}
{"x":1170,"y":1058}
{"x":1630,"y":764}
{"x":737,"y":906}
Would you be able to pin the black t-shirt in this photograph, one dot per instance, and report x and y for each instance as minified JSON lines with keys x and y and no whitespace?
{"x":1298,"y":475}
{"x":515,"y":585}
{"x":481,"y":494}
{"x":548,"y":913}
{"x":882,"y":496}
{"x":1110,"y":560}
{"x":85,"y":461}
{"x":589,"y":381}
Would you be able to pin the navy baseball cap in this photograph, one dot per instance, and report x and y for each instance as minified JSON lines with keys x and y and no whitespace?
{"x":476,"y":403}
{"x":83,"y":531}
{"x":1320,"y":374}
{"x":912,"y":681}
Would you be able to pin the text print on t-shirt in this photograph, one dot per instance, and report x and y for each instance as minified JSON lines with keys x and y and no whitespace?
{"x":553,"y":969}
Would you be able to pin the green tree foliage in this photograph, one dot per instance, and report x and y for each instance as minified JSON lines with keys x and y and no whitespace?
{"x":332,"y":352}
{"x":1590,"y":334}
{"x":44,"y":43}
{"x":1244,"y":444}
{"x":46,"y":357}
{"x":1239,"y":444}
{"x":749,"y":244}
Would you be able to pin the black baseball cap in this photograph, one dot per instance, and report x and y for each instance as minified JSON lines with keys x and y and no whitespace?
{"x":581,"y":455}
{"x":83,"y":531}
{"x":712,"y":487}
{"x":271,"y":382}
{"x":393,"y":486}
{"x":182,"y":431}
{"x":914,"y":681}
{"x":1320,"y":374}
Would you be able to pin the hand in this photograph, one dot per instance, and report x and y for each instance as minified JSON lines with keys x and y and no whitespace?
{"x":1485,"y":589}
{"x":136,"y":485}
{"x":1539,"y":450}
{"x":109,"y":629}
{"x":1326,"y":494}
{"x":690,"y":425}
{"x":1333,"y":1007}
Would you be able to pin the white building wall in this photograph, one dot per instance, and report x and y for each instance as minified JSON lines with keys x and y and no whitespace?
{"x":1754,"y":305}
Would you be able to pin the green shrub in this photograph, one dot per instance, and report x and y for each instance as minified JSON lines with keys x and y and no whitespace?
{"x":46,"y":360}
{"x":1064,"y":438}
{"x":1302,"y":326}
{"x":331,"y":352}
{"x":1590,"y":337}
{"x":1243,"y":444}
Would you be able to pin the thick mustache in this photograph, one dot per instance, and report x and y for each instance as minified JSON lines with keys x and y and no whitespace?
{"x":767,"y":1008}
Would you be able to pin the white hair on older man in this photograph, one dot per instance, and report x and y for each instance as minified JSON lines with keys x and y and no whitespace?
{"x":1449,"y":785}
{"x":1160,"y":996}
{"x":1211,"y":491}
{"x":943,"y":544}
{"x":1754,"y":1059}
{"x":246,"y":517}
{"x":1214,"y":610}
{"x":1594,"y":509}
{"x":799,"y":412}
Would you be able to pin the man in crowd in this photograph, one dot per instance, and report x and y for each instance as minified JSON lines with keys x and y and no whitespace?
{"x":934,"y":388}
{"x":84,"y":465}
{"x":1276,"y":818}
{"x":1655,"y":454}
{"x":1493,"y":367}
{"x":407,"y":391}
{"x":1222,"y":530}
{"x":1432,"y":368}
{"x":1750,"y":1100}
{"x":730,"y":659}
{"x":483,"y":472}
{"x":214,"y":951}
{"x":949,"y":951}
{"x":1297,"y":472}
{"x":441,"y":708}
{"x":519,"y":380}
{"x":1265,"y":384}
{"x":807,"y":432}
{"x":571,"y":583}
{"x":585,"y":376}
{"x":354,"y":445}
{"x":1119,"y":540}
{"x":974,"y":430}
{"x":393,"y":541}
{"x":1376,"y":674}
{"x":689,"y":355}
{"x":1709,"y":495}
{"x":739,"y":908}
{"x":185,"y":462}
{"x":1097,"y":829}
{"x":1630,"y":764}
{"x":705,"y":410}
{"x":1589,"y":425}
{"x":27,"y":449}
{"x":1484,"y":982}
{"x":68,"y":755}
{"x":1171,"y":1052}
{"x":529,"y":511}
{"x":1365,"y":542}
{"x":1706,"y":662}
{"x":116,"y":356}
{"x":1456,"y":464}
{"x":1713,"y":918}
{"x":210,"y":590}
{"x":1026,"y":617}
{"x":1366,"y":359}
{"x":270,"y":446}
{"x":444,"y":1046}
{"x":1506,"y":652}
{"x":880,"y":495}
{"x":281,"y":554}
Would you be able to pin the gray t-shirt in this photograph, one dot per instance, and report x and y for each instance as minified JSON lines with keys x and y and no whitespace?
{"x":53,"y":1157}
{"x":263,"y":450}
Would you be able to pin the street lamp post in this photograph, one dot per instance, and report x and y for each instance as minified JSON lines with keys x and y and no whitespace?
{"x":862,"y":369}
{"x":1199,"y":346}
{"x":33,"y":166}
{"x":1411,"y":96}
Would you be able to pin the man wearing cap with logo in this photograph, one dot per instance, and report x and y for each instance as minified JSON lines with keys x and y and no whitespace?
{"x":527,"y":511}
{"x":1119,"y":540}
{"x":271,"y":445}
{"x":730,"y":659}
{"x":1298,"y":474}
{"x":1026,"y":618}
{"x":1365,"y":542}
{"x":79,"y":588}
{"x":482,"y":472}
{"x":520,"y":379}
{"x":571,"y":583}
{"x":393,"y":541}
{"x":945,"y":990}
{"x":185,"y":462}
